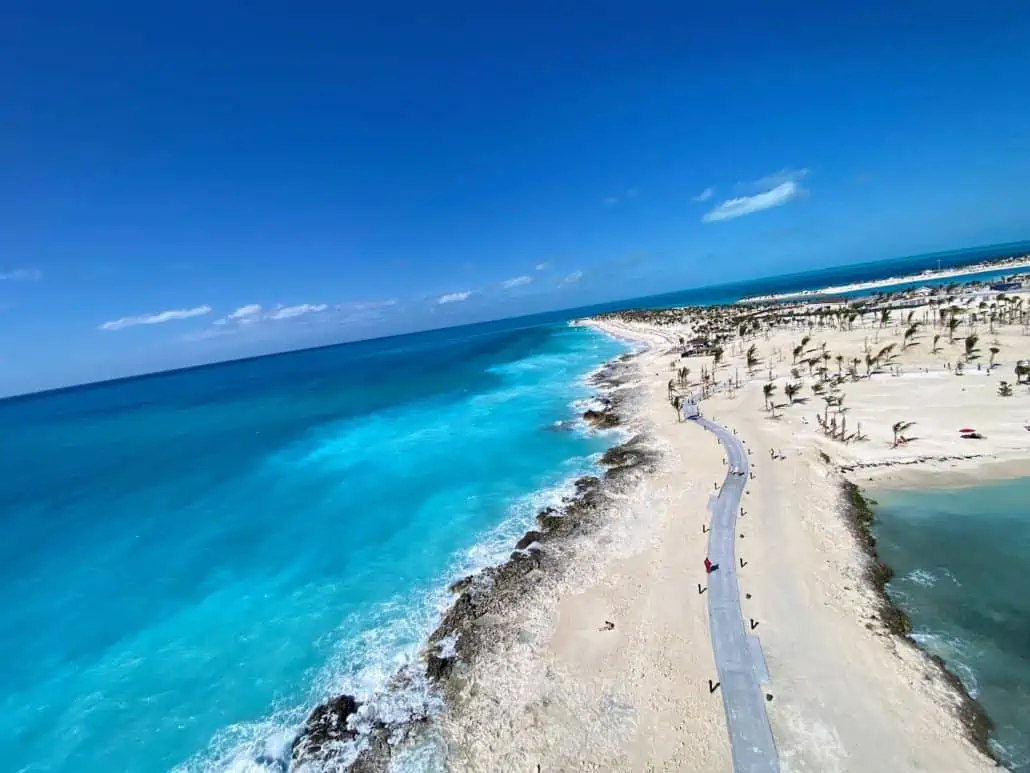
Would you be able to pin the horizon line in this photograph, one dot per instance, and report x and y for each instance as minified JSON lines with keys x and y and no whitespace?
{"x":50,"y":391}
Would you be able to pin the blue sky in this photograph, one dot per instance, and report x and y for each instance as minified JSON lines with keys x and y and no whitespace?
{"x":183,"y":182}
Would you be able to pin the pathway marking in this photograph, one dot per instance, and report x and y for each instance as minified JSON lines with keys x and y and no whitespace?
{"x":751,"y":740}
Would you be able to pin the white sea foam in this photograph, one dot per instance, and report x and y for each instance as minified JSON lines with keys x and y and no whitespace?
{"x":922,"y":577}
{"x":380,"y":665}
{"x":592,"y":403}
{"x":930,"y":577}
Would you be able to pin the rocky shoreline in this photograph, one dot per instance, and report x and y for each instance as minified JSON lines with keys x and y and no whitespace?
{"x":337,"y":736}
{"x":858,"y":512}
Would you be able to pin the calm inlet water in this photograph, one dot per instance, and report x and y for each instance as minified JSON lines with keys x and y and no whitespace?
{"x":961,"y":559}
{"x":191,"y":561}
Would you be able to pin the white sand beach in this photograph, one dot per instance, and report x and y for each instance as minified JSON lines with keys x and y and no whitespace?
{"x":847,"y":694}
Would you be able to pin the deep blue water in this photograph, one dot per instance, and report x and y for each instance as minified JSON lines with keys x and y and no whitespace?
{"x":193,"y":560}
{"x":961,"y":559}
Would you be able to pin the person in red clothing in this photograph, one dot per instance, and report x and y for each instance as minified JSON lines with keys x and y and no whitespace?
{"x":709,"y":566}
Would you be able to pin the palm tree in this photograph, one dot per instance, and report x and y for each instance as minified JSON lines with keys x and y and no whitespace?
{"x":767,"y":392}
{"x":898,"y":428}
{"x":994,"y":351}
{"x":840,"y":364}
{"x":971,"y":350}
{"x":886,"y":354}
{"x":1005,"y":389}
{"x":717,"y":352}
{"x":953,"y":324}
{"x":791,"y":390}
{"x":936,"y":348}
{"x":907,"y":341}
{"x":751,"y":358}
{"x":797,"y":352}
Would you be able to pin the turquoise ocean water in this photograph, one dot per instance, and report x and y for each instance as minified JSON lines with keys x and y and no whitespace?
{"x":191,"y":561}
{"x":961,"y":559}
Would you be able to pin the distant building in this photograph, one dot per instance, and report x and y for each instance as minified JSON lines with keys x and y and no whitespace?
{"x":1004,"y":287}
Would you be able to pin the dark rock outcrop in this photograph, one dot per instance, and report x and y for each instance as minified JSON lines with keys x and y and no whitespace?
{"x":487,"y":595}
{"x":327,"y":727}
{"x":601,"y":419}
{"x":528,"y":539}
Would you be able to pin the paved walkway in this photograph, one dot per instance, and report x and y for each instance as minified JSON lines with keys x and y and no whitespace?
{"x":751,"y":739}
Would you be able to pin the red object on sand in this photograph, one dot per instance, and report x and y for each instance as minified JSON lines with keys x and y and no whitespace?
{"x":708,"y":566}
{"x":967,"y":429}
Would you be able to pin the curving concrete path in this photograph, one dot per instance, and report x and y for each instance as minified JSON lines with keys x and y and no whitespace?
{"x":738,"y":657}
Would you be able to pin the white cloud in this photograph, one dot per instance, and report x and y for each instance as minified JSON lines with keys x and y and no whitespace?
{"x":774,"y":180}
{"x":249,"y":313}
{"x":575,"y":276}
{"x":783,"y":193}
{"x":252,"y":313}
{"x":369,"y":305}
{"x":287,"y":312}
{"x":517,"y":281}
{"x":611,"y":200}
{"x":542,"y":266}
{"x":704,"y":195}
{"x":454,"y":297}
{"x":21,"y":275}
{"x":155,"y":319}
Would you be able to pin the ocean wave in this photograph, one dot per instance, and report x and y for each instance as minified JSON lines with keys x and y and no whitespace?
{"x":922,"y":577}
{"x":536,"y":362}
{"x":927,"y":578}
{"x":376,"y":655}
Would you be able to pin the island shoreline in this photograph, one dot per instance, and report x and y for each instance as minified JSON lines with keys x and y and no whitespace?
{"x":481,"y":621}
{"x":930,"y":275}
{"x":335,"y":731}
{"x":857,"y":509}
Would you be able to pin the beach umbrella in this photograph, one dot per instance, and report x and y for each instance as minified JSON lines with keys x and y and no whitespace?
{"x":967,"y":429}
